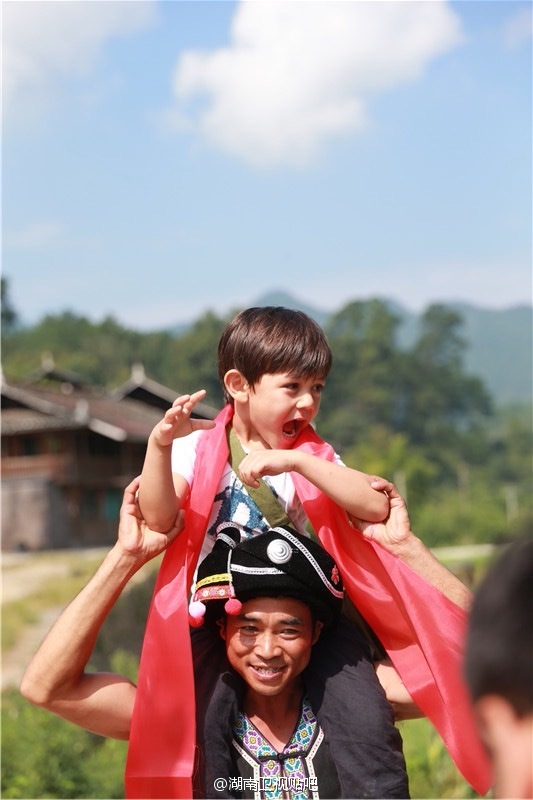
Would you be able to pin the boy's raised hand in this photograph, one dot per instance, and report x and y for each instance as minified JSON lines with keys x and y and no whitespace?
{"x":177,"y":421}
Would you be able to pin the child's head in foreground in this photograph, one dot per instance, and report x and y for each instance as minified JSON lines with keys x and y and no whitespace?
{"x":271,"y":340}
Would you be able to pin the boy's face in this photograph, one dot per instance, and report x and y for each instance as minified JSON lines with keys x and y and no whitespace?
{"x":280,"y":406}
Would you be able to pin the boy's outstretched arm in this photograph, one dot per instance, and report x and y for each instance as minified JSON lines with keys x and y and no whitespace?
{"x":161,"y":494}
{"x":56,"y":678}
{"x":348,"y":488}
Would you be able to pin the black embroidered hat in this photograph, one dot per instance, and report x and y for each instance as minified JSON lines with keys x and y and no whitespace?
{"x":280,"y":562}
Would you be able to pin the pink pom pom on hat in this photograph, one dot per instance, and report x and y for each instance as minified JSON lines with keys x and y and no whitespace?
{"x":233,"y":606}
{"x":196,"y":614}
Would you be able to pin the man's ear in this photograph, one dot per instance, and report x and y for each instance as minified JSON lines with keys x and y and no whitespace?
{"x":222,"y":627}
{"x":316,"y":633}
{"x":236,"y":385}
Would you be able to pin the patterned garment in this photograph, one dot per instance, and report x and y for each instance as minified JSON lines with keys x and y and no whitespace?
{"x":289,"y":774}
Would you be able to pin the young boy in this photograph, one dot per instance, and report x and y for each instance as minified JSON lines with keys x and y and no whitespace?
{"x":273,"y":364}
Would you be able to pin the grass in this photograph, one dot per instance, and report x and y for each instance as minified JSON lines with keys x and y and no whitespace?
{"x":56,"y":590}
{"x":68,"y":575}
{"x":432,"y":773}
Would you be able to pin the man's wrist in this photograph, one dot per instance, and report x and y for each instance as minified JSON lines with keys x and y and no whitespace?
{"x":124,"y":562}
{"x":408,"y":548}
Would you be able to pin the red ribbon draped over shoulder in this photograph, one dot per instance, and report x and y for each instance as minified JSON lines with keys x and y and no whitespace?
{"x":421,"y":629}
{"x":162,"y":745}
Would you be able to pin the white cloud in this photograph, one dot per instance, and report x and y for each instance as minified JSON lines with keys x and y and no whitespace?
{"x":297,"y":73}
{"x":43,"y":235}
{"x":519,"y":28}
{"x":47,"y":41}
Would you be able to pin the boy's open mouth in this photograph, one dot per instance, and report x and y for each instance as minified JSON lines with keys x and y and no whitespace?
{"x":292,"y":429}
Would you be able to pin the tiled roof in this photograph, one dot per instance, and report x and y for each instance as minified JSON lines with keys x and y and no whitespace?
{"x":25,"y":420}
{"x":138,"y":386}
{"x":115,"y":418}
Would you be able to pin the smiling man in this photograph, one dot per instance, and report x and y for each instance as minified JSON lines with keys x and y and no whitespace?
{"x":268,"y":599}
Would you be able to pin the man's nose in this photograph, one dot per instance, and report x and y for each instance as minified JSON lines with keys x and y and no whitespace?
{"x":267,"y":645}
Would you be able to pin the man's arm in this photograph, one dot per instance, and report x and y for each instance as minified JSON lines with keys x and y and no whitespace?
{"x":396,"y":536}
{"x":395,"y":691}
{"x":55,"y":678}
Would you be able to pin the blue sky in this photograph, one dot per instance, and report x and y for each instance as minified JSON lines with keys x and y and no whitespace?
{"x":165,"y":158}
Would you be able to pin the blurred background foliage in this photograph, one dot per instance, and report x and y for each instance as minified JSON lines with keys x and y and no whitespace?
{"x":410,"y":413}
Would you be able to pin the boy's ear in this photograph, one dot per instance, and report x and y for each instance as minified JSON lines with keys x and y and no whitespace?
{"x":236,"y":385}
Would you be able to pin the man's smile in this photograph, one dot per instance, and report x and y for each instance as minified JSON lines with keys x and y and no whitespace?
{"x":266,"y":672}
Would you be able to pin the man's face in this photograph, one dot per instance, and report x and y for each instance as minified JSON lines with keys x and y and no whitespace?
{"x":269,"y":643}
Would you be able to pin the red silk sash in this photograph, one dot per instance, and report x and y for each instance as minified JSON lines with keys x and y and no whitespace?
{"x":421,"y":629}
{"x":160,"y":761}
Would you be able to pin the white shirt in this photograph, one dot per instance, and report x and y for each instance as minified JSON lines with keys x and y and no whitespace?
{"x":232,"y":502}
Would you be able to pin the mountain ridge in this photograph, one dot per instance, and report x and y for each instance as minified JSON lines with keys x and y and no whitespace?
{"x":499,"y":342}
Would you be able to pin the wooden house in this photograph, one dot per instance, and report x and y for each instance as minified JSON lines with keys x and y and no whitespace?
{"x":68,"y":451}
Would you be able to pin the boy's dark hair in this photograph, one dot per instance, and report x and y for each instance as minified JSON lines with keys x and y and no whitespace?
{"x":499,"y":648}
{"x":272,"y":339}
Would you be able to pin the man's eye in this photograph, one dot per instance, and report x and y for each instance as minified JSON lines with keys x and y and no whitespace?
{"x":319,"y":387}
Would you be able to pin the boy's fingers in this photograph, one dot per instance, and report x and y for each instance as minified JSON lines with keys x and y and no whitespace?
{"x":202,"y":424}
{"x":181,"y":400}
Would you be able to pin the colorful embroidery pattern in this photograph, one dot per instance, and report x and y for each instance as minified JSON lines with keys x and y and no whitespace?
{"x":288,"y":774}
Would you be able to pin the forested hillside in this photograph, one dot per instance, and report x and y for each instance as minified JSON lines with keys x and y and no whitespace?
{"x":412,"y":413}
{"x":498,"y":344}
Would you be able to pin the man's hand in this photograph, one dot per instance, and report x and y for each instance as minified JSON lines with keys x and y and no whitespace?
{"x":134,"y":536}
{"x":394,"y":533}
{"x":265,"y":462}
{"x":177,"y":421}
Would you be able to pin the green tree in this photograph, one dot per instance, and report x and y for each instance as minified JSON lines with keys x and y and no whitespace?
{"x":443,"y":404}
{"x":388,"y":454}
{"x":196,"y":358}
{"x":362,"y":389}
{"x":9,"y":314}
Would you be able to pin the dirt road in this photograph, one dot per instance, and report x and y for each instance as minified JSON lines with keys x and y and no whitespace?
{"x":24,"y":574}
